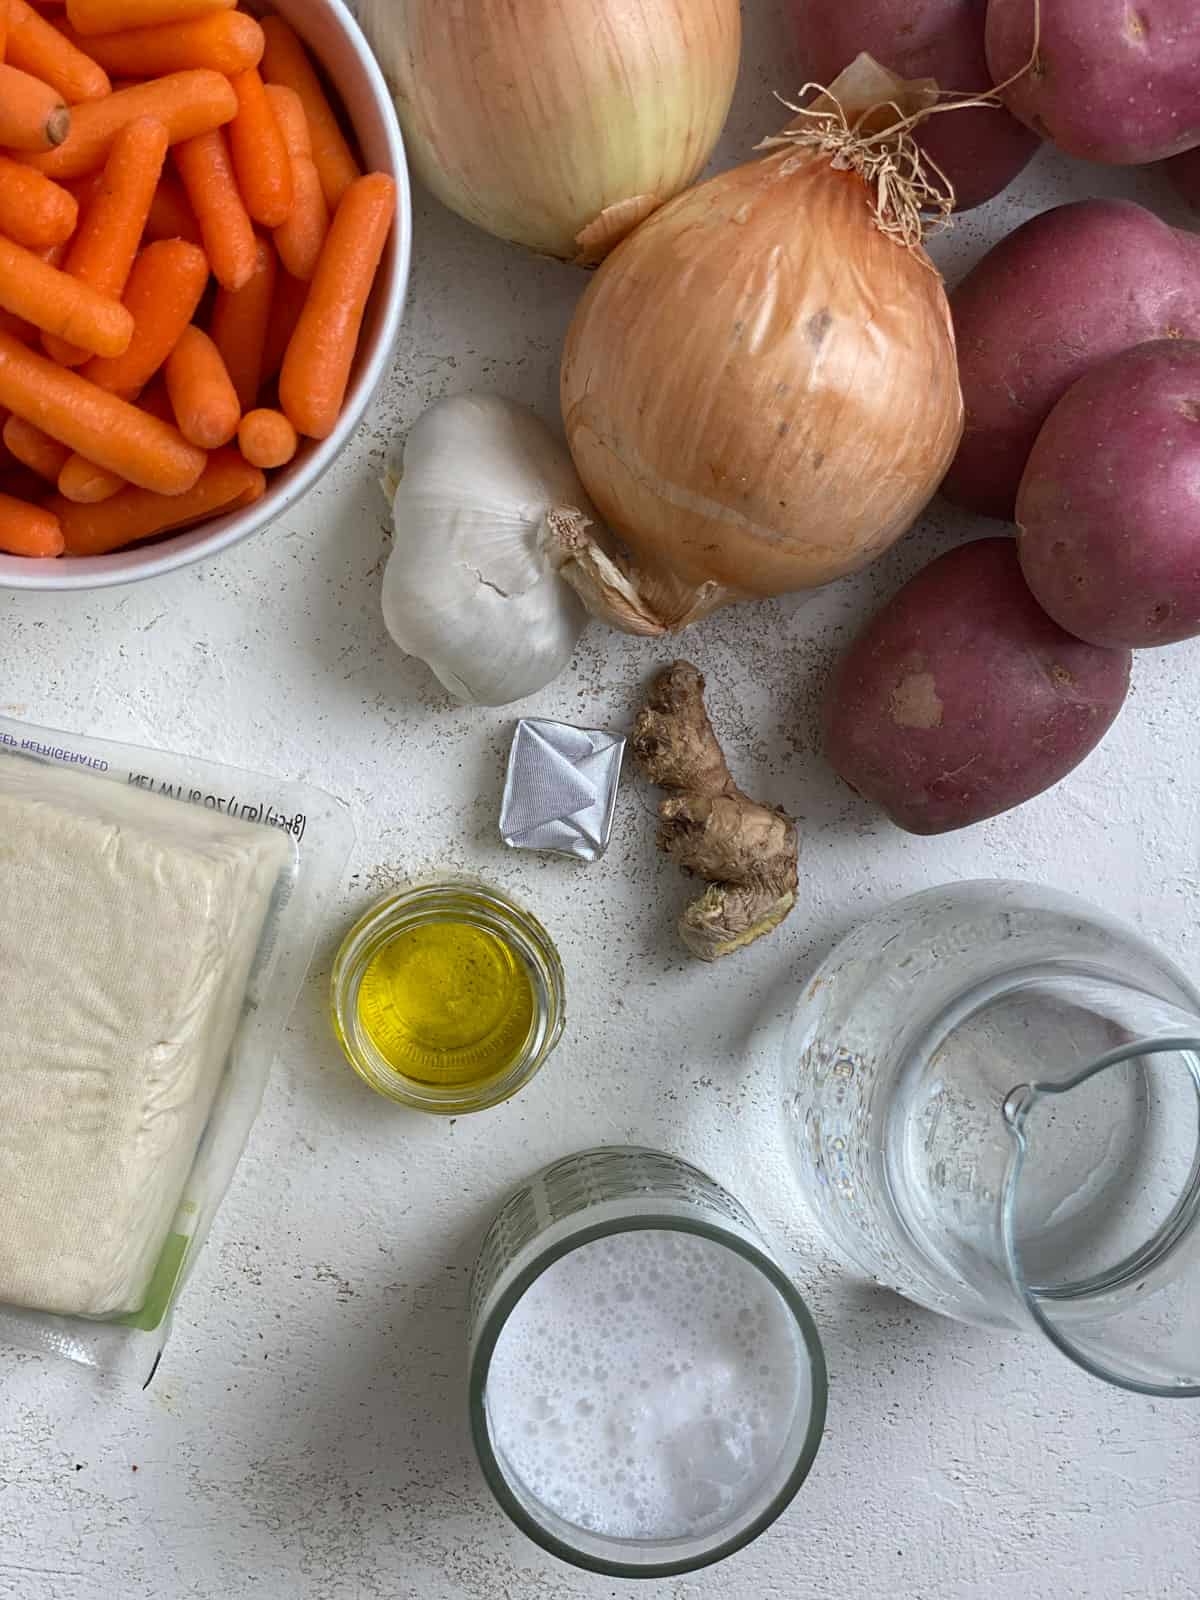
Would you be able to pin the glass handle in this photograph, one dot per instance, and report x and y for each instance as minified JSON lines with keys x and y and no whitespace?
{"x":1119,"y":1295}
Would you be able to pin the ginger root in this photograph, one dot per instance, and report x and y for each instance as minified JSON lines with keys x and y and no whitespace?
{"x":746,"y":851}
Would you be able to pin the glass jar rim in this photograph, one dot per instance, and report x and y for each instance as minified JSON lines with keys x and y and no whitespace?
{"x":485,"y":1346}
{"x":482,"y":905}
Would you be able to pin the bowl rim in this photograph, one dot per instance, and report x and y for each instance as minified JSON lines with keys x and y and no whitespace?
{"x":105,"y":572}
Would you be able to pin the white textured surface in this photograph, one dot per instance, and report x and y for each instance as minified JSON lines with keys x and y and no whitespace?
{"x":304,"y":1438}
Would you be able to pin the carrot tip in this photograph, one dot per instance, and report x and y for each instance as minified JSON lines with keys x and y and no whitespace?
{"x":58,"y":125}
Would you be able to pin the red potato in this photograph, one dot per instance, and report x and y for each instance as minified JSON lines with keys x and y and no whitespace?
{"x":1184,"y":173}
{"x":1062,"y":293}
{"x":981,"y":151}
{"x":1109,"y":508}
{"x":1114,"y":81}
{"x":961,"y":698}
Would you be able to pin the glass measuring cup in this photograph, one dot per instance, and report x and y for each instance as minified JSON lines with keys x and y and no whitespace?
{"x":591,"y":1207}
{"x":993,"y":1095}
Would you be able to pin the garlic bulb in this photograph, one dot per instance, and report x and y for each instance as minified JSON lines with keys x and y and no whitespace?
{"x":558,"y":124}
{"x":472,"y":587}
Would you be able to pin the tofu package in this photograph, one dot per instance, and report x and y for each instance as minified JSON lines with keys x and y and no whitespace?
{"x":157,"y":918}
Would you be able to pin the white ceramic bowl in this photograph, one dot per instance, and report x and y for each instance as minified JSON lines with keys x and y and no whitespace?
{"x":335,"y":40}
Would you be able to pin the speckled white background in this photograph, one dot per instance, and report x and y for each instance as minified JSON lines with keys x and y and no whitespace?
{"x":305,"y":1437}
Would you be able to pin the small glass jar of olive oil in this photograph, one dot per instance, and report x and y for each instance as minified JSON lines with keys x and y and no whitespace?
{"x":448,"y":997}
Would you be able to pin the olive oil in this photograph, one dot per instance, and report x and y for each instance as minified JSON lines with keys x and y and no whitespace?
{"x":447,"y":1003}
{"x":447,"y":997}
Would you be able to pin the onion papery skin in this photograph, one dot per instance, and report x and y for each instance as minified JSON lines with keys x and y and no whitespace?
{"x":760,"y":389}
{"x":558,"y":124}
{"x":980,"y":150}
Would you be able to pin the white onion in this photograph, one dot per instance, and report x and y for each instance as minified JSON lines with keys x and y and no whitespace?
{"x":558,"y":124}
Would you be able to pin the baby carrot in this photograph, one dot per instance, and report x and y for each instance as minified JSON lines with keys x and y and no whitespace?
{"x":33,"y":116}
{"x":290,"y":295}
{"x":35,"y":449}
{"x":3,"y":32}
{"x":162,"y":294}
{"x":289,"y":114}
{"x":113,"y":16}
{"x":36,"y":46}
{"x":170,"y":216}
{"x":226,"y":41}
{"x":187,"y":103}
{"x":93,"y":530}
{"x":27,"y":530}
{"x":300,"y":236}
{"x":286,"y":61}
{"x":102,"y":251}
{"x":239,"y":325}
{"x":57,"y":303}
{"x":248,"y":496}
{"x":266,"y":438}
{"x":316,"y":367}
{"x":225,"y":227}
{"x":33,"y":210}
{"x":203,"y":398}
{"x":260,"y":157}
{"x":85,"y":483}
{"x":99,"y":425}
{"x":82,"y":480}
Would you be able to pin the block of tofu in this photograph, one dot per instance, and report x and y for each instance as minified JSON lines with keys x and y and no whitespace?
{"x":129,"y":925}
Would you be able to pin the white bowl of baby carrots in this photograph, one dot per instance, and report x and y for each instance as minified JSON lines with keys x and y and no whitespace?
{"x":203,"y":267}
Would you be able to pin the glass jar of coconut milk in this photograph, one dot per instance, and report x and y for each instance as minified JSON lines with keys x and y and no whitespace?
{"x":647,"y":1389}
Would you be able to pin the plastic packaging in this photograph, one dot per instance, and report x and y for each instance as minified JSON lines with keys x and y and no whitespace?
{"x":319,"y":836}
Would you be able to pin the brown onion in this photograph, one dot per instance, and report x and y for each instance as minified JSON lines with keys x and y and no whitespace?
{"x":759,"y":388}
